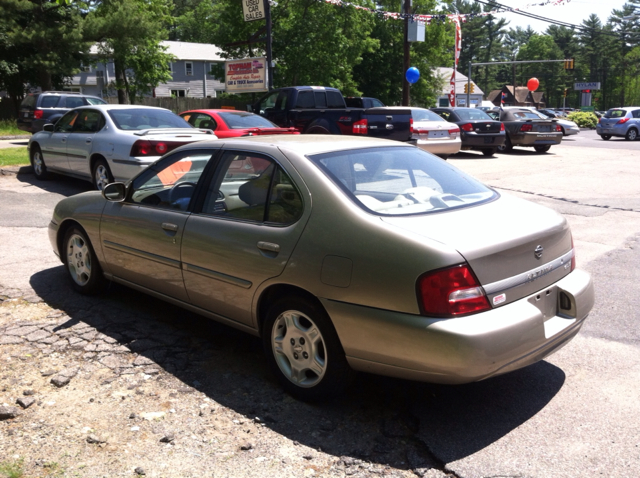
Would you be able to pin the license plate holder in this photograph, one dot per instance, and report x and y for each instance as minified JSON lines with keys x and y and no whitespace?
{"x":488,"y":139}
{"x":438,"y":134}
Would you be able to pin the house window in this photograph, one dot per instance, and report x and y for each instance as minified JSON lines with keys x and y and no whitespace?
{"x":100,"y":74}
{"x":178,"y":93}
{"x":188,"y":68}
{"x":171,"y":67}
{"x":216,"y":70}
{"x":85,"y":68}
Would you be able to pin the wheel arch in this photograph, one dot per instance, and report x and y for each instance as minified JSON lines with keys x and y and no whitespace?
{"x":324,"y":124}
{"x":275,"y":292}
{"x":62,"y":231}
{"x":93,"y":159}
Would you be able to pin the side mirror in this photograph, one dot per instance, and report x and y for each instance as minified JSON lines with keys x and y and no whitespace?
{"x":48,"y":127}
{"x":115,"y":192}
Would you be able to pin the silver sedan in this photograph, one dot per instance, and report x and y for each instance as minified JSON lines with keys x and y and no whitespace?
{"x":103,"y":143}
{"x":341,"y":253}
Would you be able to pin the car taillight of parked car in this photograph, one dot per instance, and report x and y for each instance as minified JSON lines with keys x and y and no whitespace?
{"x":623,"y":120}
{"x":360,"y":127}
{"x":37,"y":114}
{"x":145,"y":147}
{"x":526,"y":127}
{"x":451,"y":292}
{"x":467,"y":127}
{"x":558,"y":128}
{"x":454,"y":132}
{"x":411,"y":125}
{"x":501,"y":126}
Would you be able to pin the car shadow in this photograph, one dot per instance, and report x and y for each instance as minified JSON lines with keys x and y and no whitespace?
{"x":55,"y":183}
{"x":404,"y":424}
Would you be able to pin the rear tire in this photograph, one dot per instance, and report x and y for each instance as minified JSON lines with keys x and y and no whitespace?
{"x":81,"y":263}
{"x":542,"y":149}
{"x":631,"y":135}
{"x":303,"y":350}
{"x":506,"y":147}
{"x":37,"y":163}
{"x":101,"y":174}
{"x":606,"y":137}
{"x":489,"y":151}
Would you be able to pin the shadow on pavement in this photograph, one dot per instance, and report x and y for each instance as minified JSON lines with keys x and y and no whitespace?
{"x":380,"y":419}
{"x":55,"y":183}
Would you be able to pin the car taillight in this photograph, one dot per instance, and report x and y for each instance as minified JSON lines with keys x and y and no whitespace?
{"x":37,"y":114}
{"x":145,"y":147}
{"x":600,"y":120}
{"x":559,"y":128}
{"x":501,"y":126}
{"x":451,"y":292}
{"x":454,"y":131}
{"x":411,"y":125}
{"x":623,"y":120}
{"x":526,"y":127}
{"x":467,"y":127}
{"x":360,"y":127}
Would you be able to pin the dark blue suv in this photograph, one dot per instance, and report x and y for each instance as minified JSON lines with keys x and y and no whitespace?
{"x":37,"y":109}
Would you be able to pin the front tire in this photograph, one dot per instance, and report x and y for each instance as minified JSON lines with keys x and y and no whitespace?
{"x":631,"y":135}
{"x":101,"y":174}
{"x":542,"y":149}
{"x":304,"y":351}
{"x":37,"y":163}
{"x":81,"y":263}
{"x":489,"y":151}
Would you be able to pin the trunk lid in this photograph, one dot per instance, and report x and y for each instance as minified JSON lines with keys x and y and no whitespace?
{"x":499,"y":241}
{"x":388,"y":123}
{"x":486,"y":126}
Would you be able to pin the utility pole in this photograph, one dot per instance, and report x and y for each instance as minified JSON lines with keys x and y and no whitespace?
{"x":267,"y":17}
{"x":407,"y":53}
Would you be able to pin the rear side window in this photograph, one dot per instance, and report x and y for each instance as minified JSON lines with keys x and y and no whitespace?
{"x":95,"y":101}
{"x":50,"y":102}
{"x":636,"y":113}
{"x":305,"y":100}
{"x":334,"y":100}
{"x":615,"y":114}
{"x":73,"y":102}
{"x":321,"y":99}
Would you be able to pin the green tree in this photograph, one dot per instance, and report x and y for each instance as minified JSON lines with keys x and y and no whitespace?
{"x":41,"y":44}
{"x":542,"y":47}
{"x":129,"y":32}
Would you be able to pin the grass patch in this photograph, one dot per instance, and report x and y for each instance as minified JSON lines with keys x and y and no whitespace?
{"x":11,"y":469}
{"x":14,"y":156}
{"x":10,"y":128}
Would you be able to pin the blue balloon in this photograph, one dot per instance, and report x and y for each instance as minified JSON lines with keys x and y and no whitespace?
{"x":412,"y":75}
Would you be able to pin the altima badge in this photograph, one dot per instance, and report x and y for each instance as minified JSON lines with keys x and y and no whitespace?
{"x":538,"y":252}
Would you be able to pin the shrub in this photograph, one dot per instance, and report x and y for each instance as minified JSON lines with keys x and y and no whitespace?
{"x":584,"y":119}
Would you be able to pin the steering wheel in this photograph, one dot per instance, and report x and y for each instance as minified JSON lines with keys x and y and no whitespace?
{"x":178,"y":192}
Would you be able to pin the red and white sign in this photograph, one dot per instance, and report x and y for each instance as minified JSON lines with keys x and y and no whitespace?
{"x":246,"y":76}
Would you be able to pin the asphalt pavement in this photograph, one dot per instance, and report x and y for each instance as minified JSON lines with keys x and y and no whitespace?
{"x":575,"y":414}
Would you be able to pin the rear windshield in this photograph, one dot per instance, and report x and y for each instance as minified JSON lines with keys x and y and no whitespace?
{"x":615,"y":114}
{"x":527,"y":115}
{"x":49,"y":101}
{"x":143,"y":118}
{"x":401,"y":181}
{"x":425,"y":115}
{"x":29,"y":102}
{"x":245,"y":120}
{"x":470,"y":115}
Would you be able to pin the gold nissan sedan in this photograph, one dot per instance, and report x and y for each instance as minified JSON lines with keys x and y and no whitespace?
{"x":343,"y":254}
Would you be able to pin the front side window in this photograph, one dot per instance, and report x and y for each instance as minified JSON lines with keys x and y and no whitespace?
{"x":88,"y":121}
{"x":65,"y":124}
{"x":253,"y":188}
{"x":170,"y":183}
{"x":401,"y":180}
{"x":269,"y":102}
{"x":200,"y":120}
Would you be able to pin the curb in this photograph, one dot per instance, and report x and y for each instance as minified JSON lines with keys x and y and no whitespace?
{"x":15,"y":136}
{"x":11,"y":170}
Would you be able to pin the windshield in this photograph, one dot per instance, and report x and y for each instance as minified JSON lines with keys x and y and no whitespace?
{"x":245,"y":120}
{"x":425,"y":115}
{"x":146,"y":118}
{"x":401,"y":180}
{"x":473,"y":114}
{"x":615,"y":114}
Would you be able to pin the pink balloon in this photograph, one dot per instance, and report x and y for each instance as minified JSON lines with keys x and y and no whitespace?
{"x":533,"y":84}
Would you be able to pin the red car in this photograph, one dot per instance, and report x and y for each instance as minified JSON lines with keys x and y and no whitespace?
{"x":231,"y":123}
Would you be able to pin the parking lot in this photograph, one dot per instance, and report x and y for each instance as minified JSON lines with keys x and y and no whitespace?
{"x":575,"y":414}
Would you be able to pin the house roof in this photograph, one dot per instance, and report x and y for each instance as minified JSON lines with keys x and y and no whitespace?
{"x":183,"y":50}
{"x":461,"y":80}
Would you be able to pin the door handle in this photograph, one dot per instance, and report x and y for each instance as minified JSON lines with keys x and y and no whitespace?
{"x":169,"y":227}
{"x":268,"y":246}
{"x":88,"y":140}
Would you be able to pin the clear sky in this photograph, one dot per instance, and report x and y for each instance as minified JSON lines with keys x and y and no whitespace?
{"x":573,"y":11}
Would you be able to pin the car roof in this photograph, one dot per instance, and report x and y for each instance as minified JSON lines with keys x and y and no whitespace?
{"x":108,"y":107}
{"x":219,"y":111}
{"x":305,"y":144}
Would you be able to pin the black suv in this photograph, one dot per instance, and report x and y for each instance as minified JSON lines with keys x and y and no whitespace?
{"x":37,"y":109}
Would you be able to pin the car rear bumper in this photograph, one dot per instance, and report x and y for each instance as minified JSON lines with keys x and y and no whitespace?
{"x":439,"y":146}
{"x":482,"y":141}
{"x":613,"y":130}
{"x":465,"y":349}
{"x":535,"y":139}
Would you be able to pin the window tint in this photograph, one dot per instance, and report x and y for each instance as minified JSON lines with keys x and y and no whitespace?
{"x":305,"y":100}
{"x":245,"y":120}
{"x":96,"y":101}
{"x":146,"y":118}
{"x":88,"y":121}
{"x":446,"y":115}
{"x":50,"y":101}
{"x":268,"y":102}
{"x":425,"y":115}
{"x":636,"y":113}
{"x":335,"y":100}
{"x":613,"y":113}
{"x":401,"y":181}
{"x":200,"y":120}
{"x":377,"y":103}
{"x":320,"y":99}
{"x":170,"y":183}
{"x":65,"y":124}
{"x":472,"y":114}
{"x":253,"y":188}
{"x":73,"y":102}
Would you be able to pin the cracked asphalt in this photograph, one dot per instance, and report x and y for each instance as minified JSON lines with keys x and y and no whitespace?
{"x":154,"y":388}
